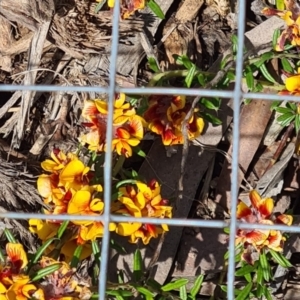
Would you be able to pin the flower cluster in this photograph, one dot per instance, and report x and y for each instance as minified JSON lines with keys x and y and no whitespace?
{"x":166,"y":115}
{"x":128,"y":7}
{"x":68,"y":190}
{"x":15,"y":283}
{"x":260,"y":212}
{"x":141,"y":200}
{"x":291,"y":16}
{"x":128,"y":128}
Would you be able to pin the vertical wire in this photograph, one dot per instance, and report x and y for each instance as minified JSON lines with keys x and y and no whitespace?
{"x":235,"y":153}
{"x":108,"y":154}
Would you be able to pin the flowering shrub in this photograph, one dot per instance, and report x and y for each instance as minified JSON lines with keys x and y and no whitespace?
{"x":260,"y":212}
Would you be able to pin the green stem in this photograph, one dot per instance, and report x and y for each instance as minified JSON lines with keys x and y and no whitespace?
{"x":118,"y":166}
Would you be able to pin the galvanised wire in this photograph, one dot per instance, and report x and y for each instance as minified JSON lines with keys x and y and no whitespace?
{"x":235,"y":151}
{"x":106,"y":217}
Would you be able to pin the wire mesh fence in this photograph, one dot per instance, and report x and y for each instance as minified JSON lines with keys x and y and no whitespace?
{"x":236,"y":94}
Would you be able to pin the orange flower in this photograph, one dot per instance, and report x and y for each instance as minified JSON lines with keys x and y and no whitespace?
{"x":127,"y":126}
{"x":83,"y":203}
{"x":22,"y":289}
{"x":165,"y":116}
{"x":127,"y":7}
{"x":141,"y":200}
{"x":260,"y":212}
{"x":291,"y":17}
{"x":16,"y":256}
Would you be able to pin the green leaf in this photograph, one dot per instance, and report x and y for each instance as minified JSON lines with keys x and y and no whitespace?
{"x":137,"y":265}
{"x":267,"y":293}
{"x":248,"y":277}
{"x":249,"y":78}
{"x":297,"y":123}
{"x":183,"y":293}
{"x":95,"y":248}
{"x":286,"y":119}
{"x":245,"y":292}
{"x":188,"y":64}
{"x":292,"y":106}
{"x":264,"y":57}
{"x":210,"y":118}
{"x":201,"y":79}
{"x":284,"y":110}
{"x":245,"y":270}
{"x":99,"y":6}
{"x":259,"y":275}
{"x":174,"y":285}
{"x":225,"y":289}
{"x":156,"y":9}
{"x":153,"y":65}
{"x":139,"y":151}
{"x":280,"y":4}
{"x":46,"y":271}
{"x":76,"y":256}
{"x":276,"y":35}
{"x":197,"y":285}
{"x":259,"y":291}
{"x":280,"y":259}
{"x":211,"y":103}
{"x":225,"y":61}
{"x":234,"y":41}
{"x":121,"y":293}
{"x":9,"y":236}
{"x":286,"y":65}
{"x":190,"y":76}
{"x":41,"y":250}
{"x":226,"y":230}
{"x":264,"y":265}
{"x":2,"y":258}
{"x":263,"y":69}
{"x":144,"y":291}
{"x":275,"y":104}
{"x":62,"y":229}
{"x":126,"y":181}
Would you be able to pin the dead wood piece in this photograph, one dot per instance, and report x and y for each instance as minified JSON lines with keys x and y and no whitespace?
{"x":180,"y":40}
{"x":6,"y":39}
{"x":35,"y":54}
{"x":255,"y":118}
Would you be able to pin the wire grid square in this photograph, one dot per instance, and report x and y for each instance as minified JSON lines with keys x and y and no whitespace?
{"x":236,"y":94}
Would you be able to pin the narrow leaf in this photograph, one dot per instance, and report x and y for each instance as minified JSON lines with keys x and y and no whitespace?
{"x":137,"y":265}
{"x":76,"y":256}
{"x":183,"y":293}
{"x":144,"y":291}
{"x":41,"y":250}
{"x":275,"y":104}
{"x":266,"y":73}
{"x":249,"y":78}
{"x":46,"y":271}
{"x":174,"y":285}
{"x":99,"y":6}
{"x":286,"y":65}
{"x":153,"y":65}
{"x":62,"y":229}
{"x":122,"y":293}
{"x":276,"y":35}
{"x":197,"y":285}
{"x":264,"y":265}
{"x":245,"y":270}
{"x":190,"y":76}
{"x":156,"y":9}
{"x":126,"y":181}
{"x":9,"y":236}
{"x":280,"y":259}
{"x":245,"y":292}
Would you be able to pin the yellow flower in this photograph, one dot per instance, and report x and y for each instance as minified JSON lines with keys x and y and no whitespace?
{"x":22,"y":289}
{"x":141,"y":200}
{"x":260,"y":212}
{"x":291,"y":17}
{"x":17,"y":256}
{"x":127,"y":126}
{"x":166,"y":115}
{"x":44,"y":229}
{"x":82,"y":203}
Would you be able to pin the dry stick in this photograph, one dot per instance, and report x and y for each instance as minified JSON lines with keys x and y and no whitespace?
{"x":280,"y":147}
